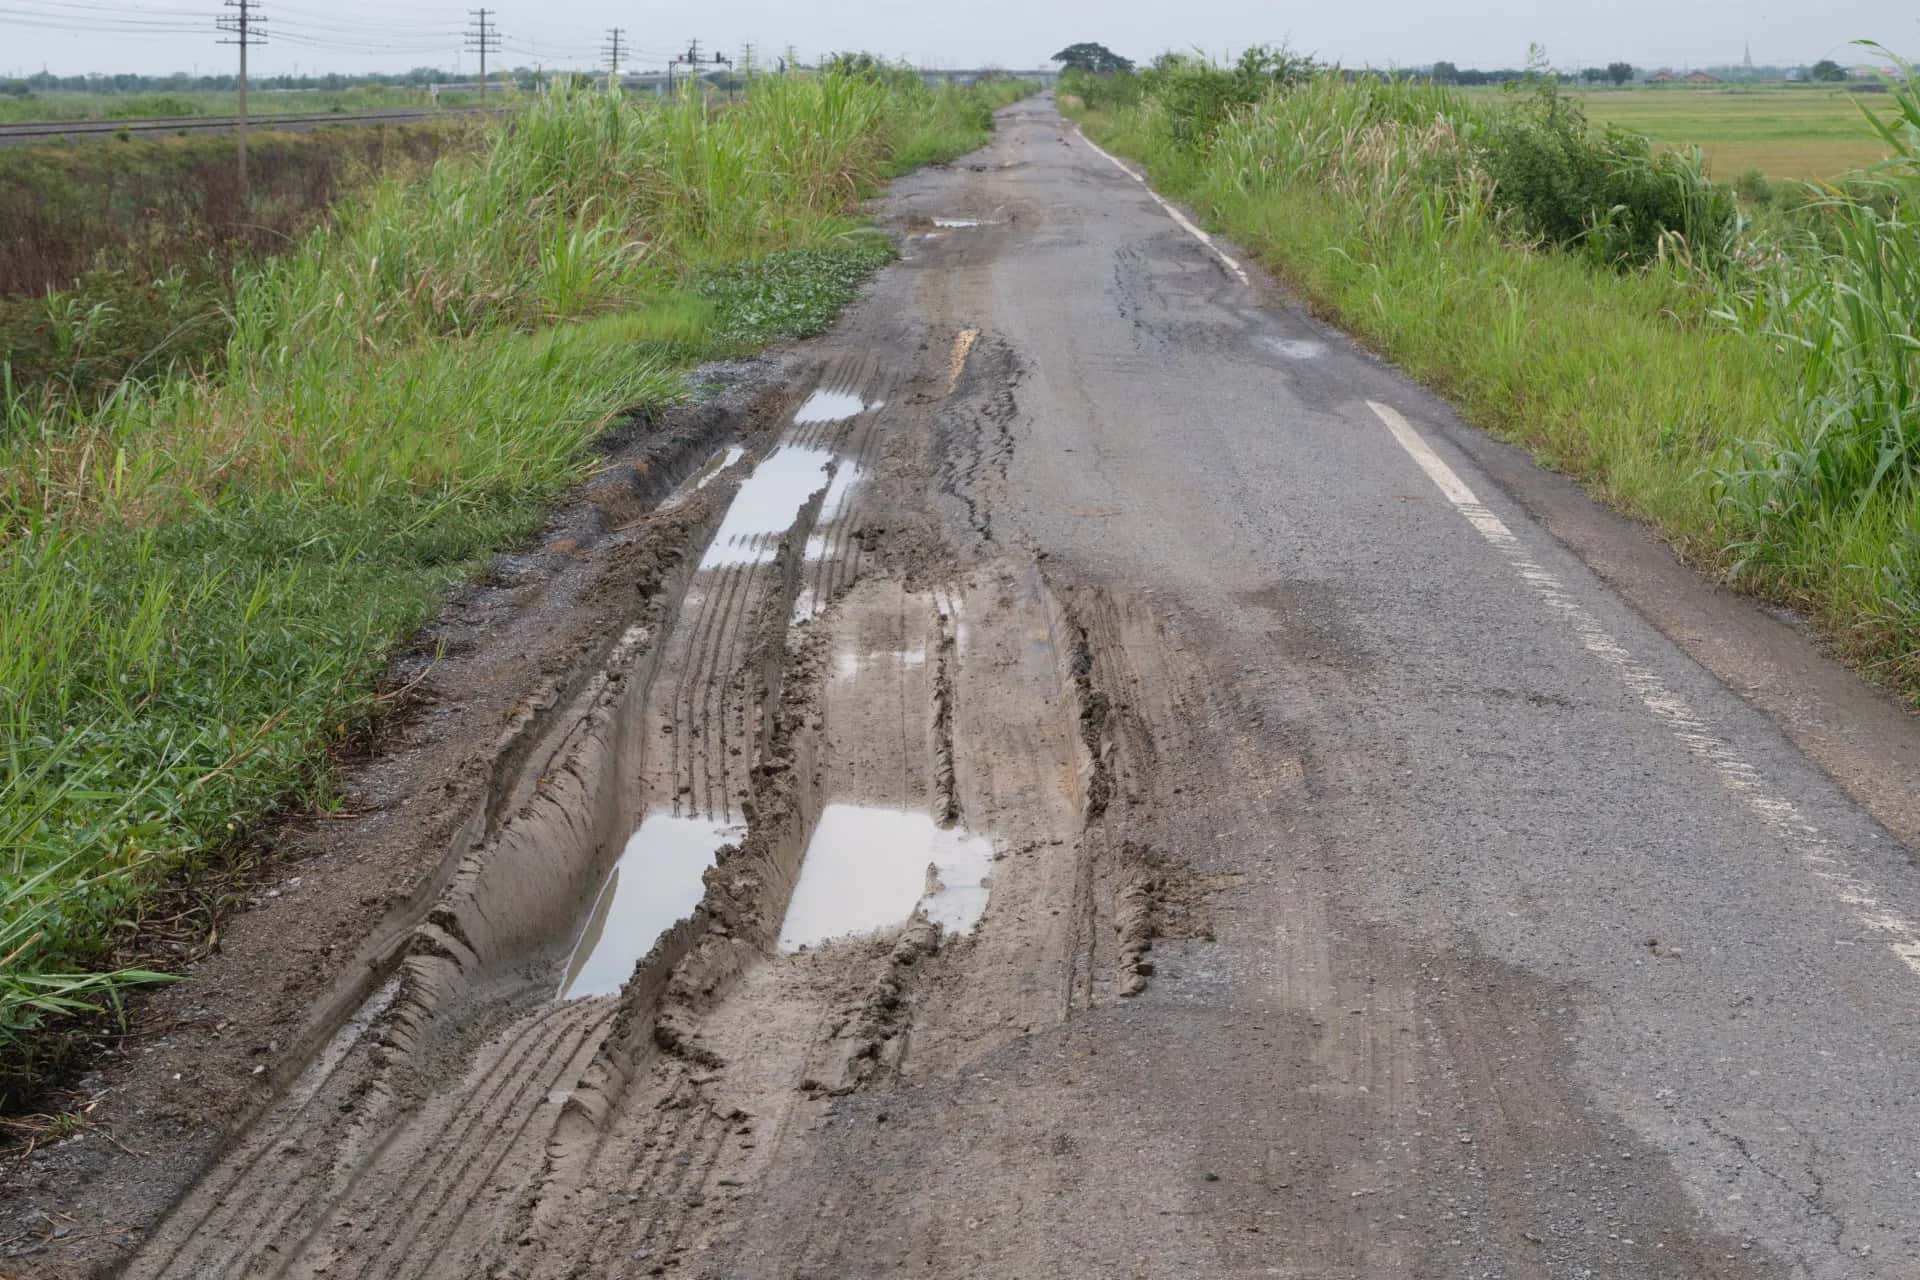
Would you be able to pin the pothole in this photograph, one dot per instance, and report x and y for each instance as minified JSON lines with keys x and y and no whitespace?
{"x":656,"y":884}
{"x":868,"y":868}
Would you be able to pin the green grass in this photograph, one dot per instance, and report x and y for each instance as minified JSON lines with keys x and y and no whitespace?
{"x":57,"y":104}
{"x":202,"y":577}
{"x":1786,"y":132}
{"x":1757,"y":404}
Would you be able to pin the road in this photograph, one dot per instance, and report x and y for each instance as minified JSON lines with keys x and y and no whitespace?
{"x":1394,"y":865}
{"x":40,"y":132}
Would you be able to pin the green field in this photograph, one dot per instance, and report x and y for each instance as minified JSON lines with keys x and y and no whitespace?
{"x":65,"y":105}
{"x":1785,"y":131}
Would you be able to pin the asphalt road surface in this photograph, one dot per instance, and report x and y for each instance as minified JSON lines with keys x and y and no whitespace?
{"x":1398,"y":866}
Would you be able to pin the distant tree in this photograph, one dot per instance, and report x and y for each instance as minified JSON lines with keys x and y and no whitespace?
{"x":1096,"y":58}
{"x":1593,"y":75}
{"x":1445,"y":73}
{"x":1828,"y":69}
{"x":1619,"y":72}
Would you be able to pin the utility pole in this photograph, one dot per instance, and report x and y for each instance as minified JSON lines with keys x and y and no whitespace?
{"x":244,"y":27}
{"x":613,"y":49}
{"x":485,"y":37}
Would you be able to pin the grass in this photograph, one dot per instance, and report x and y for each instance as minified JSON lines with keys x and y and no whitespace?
{"x":1786,"y":132}
{"x":1754,"y":400}
{"x":57,"y":104}
{"x":120,"y":258}
{"x":202,"y":577}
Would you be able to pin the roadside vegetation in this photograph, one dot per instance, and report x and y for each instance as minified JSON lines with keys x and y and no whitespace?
{"x":1740,"y":372}
{"x":120,"y":259}
{"x":204,"y":568}
{"x":26,"y":107}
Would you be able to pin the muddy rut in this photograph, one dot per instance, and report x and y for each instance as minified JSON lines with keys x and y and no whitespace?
{"x":825,"y":819}
{"x":1055,"y":788}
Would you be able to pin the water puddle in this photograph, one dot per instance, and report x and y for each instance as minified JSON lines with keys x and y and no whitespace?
{"x":733,"y":454}
{"x":830,"y":406}
{"x":766,"y":504}
{"x":868,"y":869}
{"x":655,"y":884}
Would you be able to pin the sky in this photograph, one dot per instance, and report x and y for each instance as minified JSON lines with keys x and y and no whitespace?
{"x":157,"y":36}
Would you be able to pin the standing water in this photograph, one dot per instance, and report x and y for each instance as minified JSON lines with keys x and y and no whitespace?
{"x":656,"y":884}
{"x":868,"y":869}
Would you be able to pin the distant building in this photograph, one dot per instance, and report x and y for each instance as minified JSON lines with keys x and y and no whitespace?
{"x":1701,"y":77}
{"x":1663,"y":77}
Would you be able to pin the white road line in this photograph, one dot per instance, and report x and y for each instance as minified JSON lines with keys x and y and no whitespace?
{"x":1179,"y":217}
{"x":1816,"y":853}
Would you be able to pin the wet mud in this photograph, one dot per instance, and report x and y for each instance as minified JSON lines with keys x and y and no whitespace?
{"x":855,"y":902}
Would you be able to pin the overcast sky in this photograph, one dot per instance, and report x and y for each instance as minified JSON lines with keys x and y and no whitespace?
{"x":71,"y":36}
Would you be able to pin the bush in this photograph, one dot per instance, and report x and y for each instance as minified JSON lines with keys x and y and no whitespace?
{"x":1754,"y":189}
{"x":1606,"y":193}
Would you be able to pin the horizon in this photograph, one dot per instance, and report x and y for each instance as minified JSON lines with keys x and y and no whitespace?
{"x":176,"y":37}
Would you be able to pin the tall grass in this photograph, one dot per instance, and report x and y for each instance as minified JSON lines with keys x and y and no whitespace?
{"x":200,"y":578}
{"x":1750,"y":389}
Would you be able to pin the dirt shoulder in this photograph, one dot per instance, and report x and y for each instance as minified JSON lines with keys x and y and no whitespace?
{"x":337,"y":895}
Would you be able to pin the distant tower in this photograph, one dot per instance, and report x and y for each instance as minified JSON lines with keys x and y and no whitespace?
{"x":1746,"y":63}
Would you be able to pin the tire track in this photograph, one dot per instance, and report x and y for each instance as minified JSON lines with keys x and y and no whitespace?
{"x":571,"y":1031}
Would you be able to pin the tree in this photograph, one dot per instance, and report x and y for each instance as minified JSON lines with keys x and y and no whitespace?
{"x":1619,"y":72}
{"x":1828,"y":69}
{"x":1096,"y":58}
{"x":1593,"y":75}
{"x":1445,"y":73}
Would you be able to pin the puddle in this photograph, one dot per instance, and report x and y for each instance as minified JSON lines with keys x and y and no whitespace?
{"x":734,"y":454}
{"x":867,"y":869}
{"x":1294,"y":349}
{"x":655,"y":884}
{"x":830,"y":406}
{"x":766,"y":504}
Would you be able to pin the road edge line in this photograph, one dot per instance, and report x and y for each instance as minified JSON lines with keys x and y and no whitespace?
{"x":1819,"y":856}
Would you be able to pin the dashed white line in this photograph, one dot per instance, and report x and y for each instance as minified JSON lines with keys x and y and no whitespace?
{"x":1238,"y":271}
{"x":1816,"y":853}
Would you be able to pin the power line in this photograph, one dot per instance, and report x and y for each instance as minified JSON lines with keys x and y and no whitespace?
{"x":612,"y":50}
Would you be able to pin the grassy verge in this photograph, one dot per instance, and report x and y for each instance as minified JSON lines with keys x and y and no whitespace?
{"x":119,"y":259}
{"x":59,"y":104}
{"x":1749,"y":391}
{"x":200,"y":579}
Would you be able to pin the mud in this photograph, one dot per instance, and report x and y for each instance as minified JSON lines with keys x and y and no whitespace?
{"x":807,"y":868}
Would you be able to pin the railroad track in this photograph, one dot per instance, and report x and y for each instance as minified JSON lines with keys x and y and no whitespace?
{"x":50,"y":130}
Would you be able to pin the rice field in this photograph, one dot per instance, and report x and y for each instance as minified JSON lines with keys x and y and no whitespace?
{"x":1784,"y":131}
